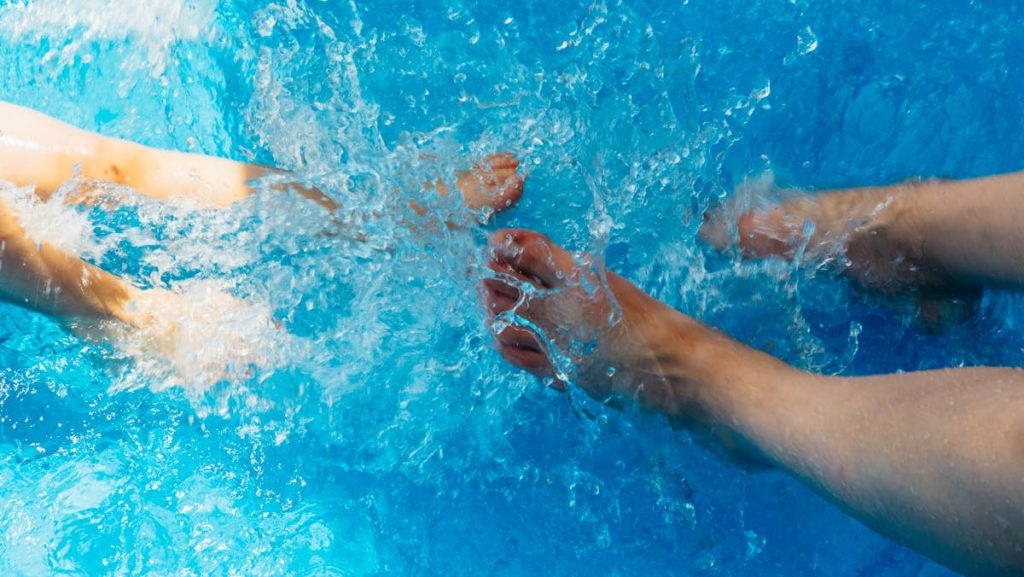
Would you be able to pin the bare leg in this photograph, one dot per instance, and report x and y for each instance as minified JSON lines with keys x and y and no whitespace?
{"x":197,"y":341}
{"x":38,"y":150}
{"x":933,"y":459}
{"x":42,"y":151}
{"x":931,"y":239}
{"x":42,"y":277}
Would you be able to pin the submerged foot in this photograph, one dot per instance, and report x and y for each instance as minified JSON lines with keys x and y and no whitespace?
{"x":871,"y":235}
{"x":197,"y":338}
{"x":557,"y":318}
{"x":491,"y":183}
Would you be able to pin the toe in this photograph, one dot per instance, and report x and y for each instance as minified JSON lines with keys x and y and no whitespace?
{"x":522,"y":348}
{"x":530,"y":256}
{"x":503,"y":161}
{"x":506,"y":181}
{"x":493,"y":182}
{"x":499,"y":296}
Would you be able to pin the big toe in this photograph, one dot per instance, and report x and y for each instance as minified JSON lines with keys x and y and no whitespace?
{"x":531,"y":257}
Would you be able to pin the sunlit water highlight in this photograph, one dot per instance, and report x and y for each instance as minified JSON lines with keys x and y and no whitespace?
{"x":382,"y":435}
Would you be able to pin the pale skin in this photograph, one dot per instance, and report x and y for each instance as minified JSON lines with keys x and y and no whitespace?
{"x":39,"y":151}
{"x":932,"y":459}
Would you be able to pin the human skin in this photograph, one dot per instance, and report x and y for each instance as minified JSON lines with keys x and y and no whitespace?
{"x":933,"y":243}
{"x":39,"y":151}
{"x":960,"y":232}
{"x":932,"y":459}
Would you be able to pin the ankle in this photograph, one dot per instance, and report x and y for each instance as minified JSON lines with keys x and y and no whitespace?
{"x":685,"y":362}
{"x":728,"y":374}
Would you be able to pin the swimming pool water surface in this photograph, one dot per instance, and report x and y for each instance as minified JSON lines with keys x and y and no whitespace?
{"x":383,"y":435}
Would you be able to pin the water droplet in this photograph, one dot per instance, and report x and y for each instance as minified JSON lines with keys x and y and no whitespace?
{"x":807,"y":41}
{"x":763,"y":92}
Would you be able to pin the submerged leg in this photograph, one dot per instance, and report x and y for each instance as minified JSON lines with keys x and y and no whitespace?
{"x":938,"y":241}
{"x":39,"y":276}
{"x":933,"y":459}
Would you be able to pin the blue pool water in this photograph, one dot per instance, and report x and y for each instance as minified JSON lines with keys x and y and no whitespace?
{"x":386,"y":437}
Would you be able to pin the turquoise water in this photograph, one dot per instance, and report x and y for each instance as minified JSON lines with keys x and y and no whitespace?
{"x":384,"y":435}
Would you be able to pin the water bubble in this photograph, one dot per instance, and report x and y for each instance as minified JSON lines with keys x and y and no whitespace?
{"x":807,"y":41}
{"x":763,"y":92}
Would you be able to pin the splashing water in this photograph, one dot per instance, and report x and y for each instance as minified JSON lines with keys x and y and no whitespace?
{"x":162,"y":24}
{"x":379,"y":433}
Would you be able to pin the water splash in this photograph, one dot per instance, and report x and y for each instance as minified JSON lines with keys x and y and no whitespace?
{"x":391,"y":432}
{"x":156,"y":29}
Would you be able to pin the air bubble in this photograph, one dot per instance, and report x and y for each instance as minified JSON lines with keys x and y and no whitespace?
{"x":807,"y":41}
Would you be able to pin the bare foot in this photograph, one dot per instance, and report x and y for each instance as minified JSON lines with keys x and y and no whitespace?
{"x":553,"y":316}
{"x":871,"y":235}
{"x":491,"y":183}
{"x":196,"y":338}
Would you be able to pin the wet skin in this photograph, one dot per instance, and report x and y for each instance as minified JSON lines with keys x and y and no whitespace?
{"x":934,"y":244}
{"x":933,"y":459}
{"x":44,"y":153}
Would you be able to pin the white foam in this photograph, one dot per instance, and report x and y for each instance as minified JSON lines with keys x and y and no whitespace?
{"x":197,"y":338}
{"x":52,"y":222}
{"x":156,"y":25}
